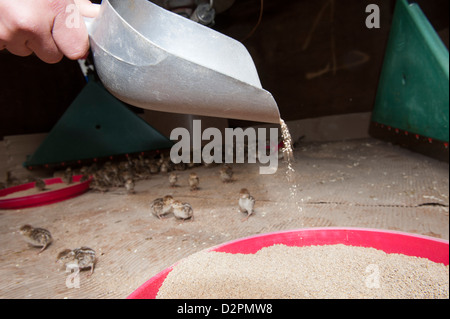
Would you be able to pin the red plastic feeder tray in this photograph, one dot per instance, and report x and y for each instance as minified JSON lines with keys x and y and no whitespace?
{"x":45,"y":197}
{"x":436,"y":250}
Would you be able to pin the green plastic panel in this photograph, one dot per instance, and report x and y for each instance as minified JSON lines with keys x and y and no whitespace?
{"x":413,"y":92}
{"x":96,"y":125}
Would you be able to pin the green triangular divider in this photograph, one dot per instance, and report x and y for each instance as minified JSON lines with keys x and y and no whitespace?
{"x":96,"y":125}
{"x":413,"y":92}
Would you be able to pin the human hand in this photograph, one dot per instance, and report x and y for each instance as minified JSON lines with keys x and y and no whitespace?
{"x":49,"y":28}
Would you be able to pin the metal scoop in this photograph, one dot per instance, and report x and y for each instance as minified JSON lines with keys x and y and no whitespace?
{"x":152,"y":58}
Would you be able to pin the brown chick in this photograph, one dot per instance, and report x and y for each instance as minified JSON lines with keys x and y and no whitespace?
{"x":38,"y":237}
{"x":226,"y":174}
{"x":182,"y":210}
{"x":83,"y":257}
{"x":193,"y":181}
{"x":162,"y":206}
{"x":246,"y":203}
{"x":173,"y":179}
{"x":129,"y":186}
{"x":164,"y":168}
{"x":39,"y":184}
{"x":154,"y":168}
{"x":68,"y":176}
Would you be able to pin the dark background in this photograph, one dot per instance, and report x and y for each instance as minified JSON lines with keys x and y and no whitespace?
{"x":329,"y":69}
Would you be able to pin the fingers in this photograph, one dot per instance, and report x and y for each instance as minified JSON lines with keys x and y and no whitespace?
{"x":17,"y":47}
{"x":17,"y":29}
{"x":45,"y":48}
{"x":49,"y":28}
{"x":70,"y":33}
{"x":87,"y":8}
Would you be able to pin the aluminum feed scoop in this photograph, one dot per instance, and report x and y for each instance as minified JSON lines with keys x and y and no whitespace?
{"x":152,"y":58}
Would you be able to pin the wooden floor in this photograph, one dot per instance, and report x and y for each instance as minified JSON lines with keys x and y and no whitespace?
{"x":358,"y":183}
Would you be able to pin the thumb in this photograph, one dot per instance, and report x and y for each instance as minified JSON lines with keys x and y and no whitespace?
{"x":70,"y":33}
{"x":87,"y":8}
